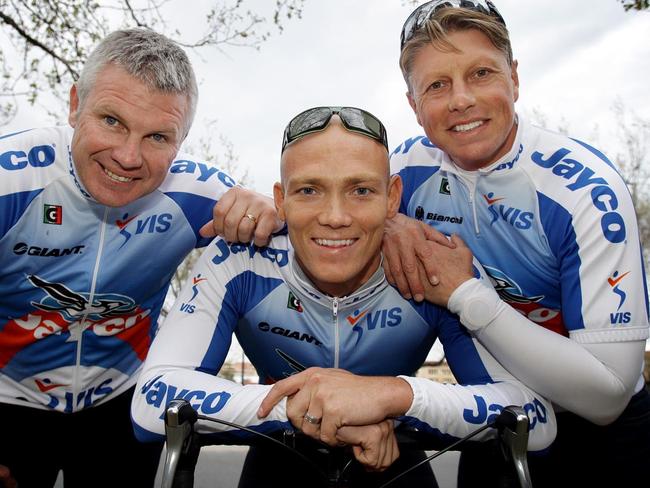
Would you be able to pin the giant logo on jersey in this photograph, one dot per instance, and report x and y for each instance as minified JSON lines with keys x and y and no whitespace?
{"x":511,"y":293}
{"x":278,"y":256}
{"x":514,"y":216}
{"x":614,"y":282}
{"x":288,"y":333}
{"x":37,"y":157}
{"x":602,"y":195}
{"x":63,"y":310}
{"x":46,"y":252}
{"x":371,"y":320}
{"x":151,"y":224}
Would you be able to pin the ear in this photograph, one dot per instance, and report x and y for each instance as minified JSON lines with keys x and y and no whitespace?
{"x":515,"y":79}
{"x":413,"y":106}
{"x":394,"y":195}
{"x":278,"y":199}
{"x":74,"y":106}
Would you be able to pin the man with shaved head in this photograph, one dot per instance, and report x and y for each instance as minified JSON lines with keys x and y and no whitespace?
{"x":316,"y":297}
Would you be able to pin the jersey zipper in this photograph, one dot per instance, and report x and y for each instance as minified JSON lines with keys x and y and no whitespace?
{"x":84,"y":317}
{"x":335,"y":318}
{"x":472,"y":202}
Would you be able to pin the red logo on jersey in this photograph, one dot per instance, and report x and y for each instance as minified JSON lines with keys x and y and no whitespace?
{"x":63,"y":309}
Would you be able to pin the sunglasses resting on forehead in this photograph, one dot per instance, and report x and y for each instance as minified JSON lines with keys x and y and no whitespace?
{"x":318,"y":118}
{"x":420,"y":15}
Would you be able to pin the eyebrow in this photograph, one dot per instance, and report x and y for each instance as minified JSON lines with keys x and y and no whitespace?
{"x":351,"y":180}
{"x":108,"y":110}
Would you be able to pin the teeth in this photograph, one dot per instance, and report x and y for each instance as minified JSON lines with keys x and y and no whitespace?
{"x":466,"y":127}
{"x":113,"y":176}
{"x":334,"y":242}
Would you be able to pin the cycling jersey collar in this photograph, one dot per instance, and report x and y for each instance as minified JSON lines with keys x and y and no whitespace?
{"x":77,"y":181}
{"x":305,"y":287}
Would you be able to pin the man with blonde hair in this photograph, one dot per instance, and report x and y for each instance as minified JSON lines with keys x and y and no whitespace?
{"x":553,"y":224}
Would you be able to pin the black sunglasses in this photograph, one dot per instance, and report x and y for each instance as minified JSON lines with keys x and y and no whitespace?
{"x":317,"y":119}
{"x":420,"y":15}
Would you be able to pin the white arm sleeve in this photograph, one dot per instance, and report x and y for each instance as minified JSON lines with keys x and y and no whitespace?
{"x":176,"y":363}
{"x":461,"y":409}
{"x":593,"y":380}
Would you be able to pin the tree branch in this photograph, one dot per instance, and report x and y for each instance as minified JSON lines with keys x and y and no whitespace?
{"x":35,"y":42}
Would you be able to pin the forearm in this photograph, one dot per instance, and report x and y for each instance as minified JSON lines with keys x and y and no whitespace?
{"x":210,"y":395}
{"x":594,"y":381}
{"x":458,"y":410}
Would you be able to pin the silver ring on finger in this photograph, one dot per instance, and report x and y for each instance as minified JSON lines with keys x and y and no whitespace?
{"x":312,"y":420}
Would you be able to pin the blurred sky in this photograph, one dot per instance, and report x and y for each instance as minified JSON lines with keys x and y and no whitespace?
{"x":576,"y":58}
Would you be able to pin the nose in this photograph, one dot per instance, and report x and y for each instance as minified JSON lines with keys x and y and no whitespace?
{"x":335,"y":213}
{"x":461,"y":98}
{"x":127,"y":152}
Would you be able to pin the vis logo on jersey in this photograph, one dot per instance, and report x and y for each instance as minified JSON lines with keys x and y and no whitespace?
{"x":614,"y":282}
{"x":189,"y":306}
{"x":514,"y":216}
{"x":374,"y":319}
{"x":152,"y":224}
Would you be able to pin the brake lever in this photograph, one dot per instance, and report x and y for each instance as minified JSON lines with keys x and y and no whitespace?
{"x":180,"y":418}
{"x":512,"y":424}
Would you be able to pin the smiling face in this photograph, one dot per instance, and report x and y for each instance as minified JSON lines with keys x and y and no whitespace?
{"x":464,"y":99}
{"x":126,"y":136}
{"x":335,"y":196}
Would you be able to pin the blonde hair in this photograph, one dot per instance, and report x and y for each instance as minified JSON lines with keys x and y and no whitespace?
{"x":443,"y":22}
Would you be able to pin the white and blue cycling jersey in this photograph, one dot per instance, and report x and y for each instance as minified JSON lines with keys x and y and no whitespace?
{"x":285,"y":325}
{"x":553,"y":224}
{"x":82,"y":284}
{"x":537,"y":220}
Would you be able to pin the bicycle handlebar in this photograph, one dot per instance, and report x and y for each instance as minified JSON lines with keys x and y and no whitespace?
{"x":183,"y":446}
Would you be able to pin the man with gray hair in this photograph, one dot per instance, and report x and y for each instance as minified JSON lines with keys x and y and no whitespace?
{"x":96,"y":218}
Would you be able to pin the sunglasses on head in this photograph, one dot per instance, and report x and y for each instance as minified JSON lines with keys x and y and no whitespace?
{"x":318,"y":118}
{"x":420,"y":15}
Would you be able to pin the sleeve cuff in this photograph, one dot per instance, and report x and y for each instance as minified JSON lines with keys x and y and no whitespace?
{"x":475,"y":303}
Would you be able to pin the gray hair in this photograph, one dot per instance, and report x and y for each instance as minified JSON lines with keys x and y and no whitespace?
{"x":148,"y":56}
{"x":445,"y":21}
